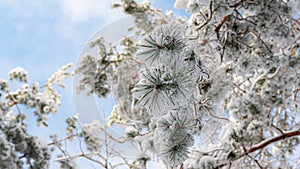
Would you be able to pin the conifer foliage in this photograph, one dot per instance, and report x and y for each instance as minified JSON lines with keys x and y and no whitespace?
{"x":217,"y":90}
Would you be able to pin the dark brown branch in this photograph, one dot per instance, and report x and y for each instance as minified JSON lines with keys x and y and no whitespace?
{"x":208,"y":19}
{"x":236,"y":4}
{"x":259,"y":165}
{"x":224,"y":19}
{"x":272,"y":140}
{"x":264,"y":144}
{"x":14,"y":103}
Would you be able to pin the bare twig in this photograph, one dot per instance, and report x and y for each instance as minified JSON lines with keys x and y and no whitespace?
{"x":14,"y":103}
{"x":87,"y":156}
{"x":262,"y":41}
{"x":114,"y":139}
{"x":63,"y":139}
{"x":215,"y":117}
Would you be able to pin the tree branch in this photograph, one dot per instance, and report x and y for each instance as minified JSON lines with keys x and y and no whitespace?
{"x":272,"y":140}
{"x":264,"y":144}
{"x":208,"y":19}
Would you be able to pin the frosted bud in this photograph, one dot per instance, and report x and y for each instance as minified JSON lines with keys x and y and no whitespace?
{"x":46,"y":109}
{"x":131,"y":132}
{"x":3,"y":85}
{"x":18,"y":73}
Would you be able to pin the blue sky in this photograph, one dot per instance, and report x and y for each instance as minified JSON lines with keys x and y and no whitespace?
{"x":41,"y":36}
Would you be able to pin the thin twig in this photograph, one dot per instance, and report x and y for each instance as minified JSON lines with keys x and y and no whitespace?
{"x":87,"y":156}
{"x":61,"y":140}
{"x":216,"y":117}
{"x":263,"y":42}
{"x":114,"y":139}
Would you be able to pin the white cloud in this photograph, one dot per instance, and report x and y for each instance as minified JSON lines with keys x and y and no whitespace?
{"x":84,"y":10}
{"x":75,"y":11}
